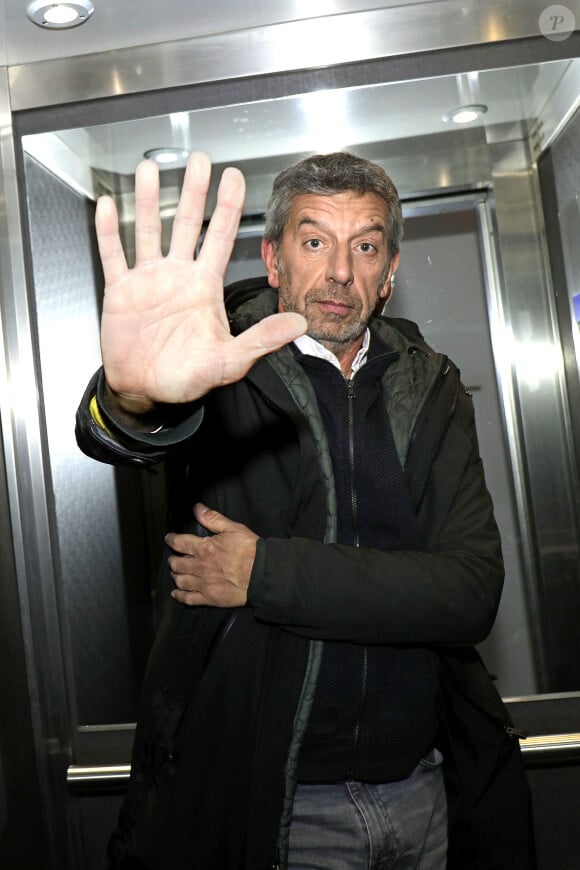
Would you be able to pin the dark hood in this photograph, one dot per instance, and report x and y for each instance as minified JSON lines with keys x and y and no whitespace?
{"x":248,"y":301}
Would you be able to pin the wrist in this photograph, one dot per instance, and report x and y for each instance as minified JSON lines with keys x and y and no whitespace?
{"x":135,"y":412}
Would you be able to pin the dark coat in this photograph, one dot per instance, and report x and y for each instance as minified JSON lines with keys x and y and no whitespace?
{"x":227,"y":692}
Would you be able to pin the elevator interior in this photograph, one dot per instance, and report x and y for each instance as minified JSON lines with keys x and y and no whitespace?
{"x":490,"y":271}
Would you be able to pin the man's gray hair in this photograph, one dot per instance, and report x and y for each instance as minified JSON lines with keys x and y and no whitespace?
{"x":327,"y":174}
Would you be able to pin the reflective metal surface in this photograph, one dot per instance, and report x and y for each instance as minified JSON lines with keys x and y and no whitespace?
{"x":551,"y":748}
{"x":100,"y":777}
{"x":35,"y":560}
{"x":294,"y":45}
{"x":405,"y":119}
{"x":118,"y":25}
{"x":527,"y":344}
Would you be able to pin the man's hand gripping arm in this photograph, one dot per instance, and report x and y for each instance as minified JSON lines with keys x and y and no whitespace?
{"x":213,"y":570}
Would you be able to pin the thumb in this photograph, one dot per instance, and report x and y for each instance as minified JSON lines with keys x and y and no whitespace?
{"x":273,"y":332}
{"x":210,"y":519}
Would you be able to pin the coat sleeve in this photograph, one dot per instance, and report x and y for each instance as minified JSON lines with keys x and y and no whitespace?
{"x":446,"y":594}
{"x":108,"y":441}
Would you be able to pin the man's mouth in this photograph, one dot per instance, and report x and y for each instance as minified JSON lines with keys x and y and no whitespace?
{"x":333,"y":306}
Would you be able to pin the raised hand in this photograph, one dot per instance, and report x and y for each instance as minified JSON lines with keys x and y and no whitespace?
{"x":165,"y":336}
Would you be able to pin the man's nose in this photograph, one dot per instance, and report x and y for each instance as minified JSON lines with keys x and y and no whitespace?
{"x":339,"y":266}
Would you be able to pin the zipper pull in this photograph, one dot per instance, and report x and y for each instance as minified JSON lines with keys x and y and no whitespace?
{"x":514,"y":732}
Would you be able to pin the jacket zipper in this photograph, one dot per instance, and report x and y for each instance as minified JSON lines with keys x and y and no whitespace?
{"x":217,"y":641}
{"x":351,"y":396}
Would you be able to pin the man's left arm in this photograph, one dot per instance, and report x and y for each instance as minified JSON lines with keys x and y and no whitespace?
{"x":448,"y":595}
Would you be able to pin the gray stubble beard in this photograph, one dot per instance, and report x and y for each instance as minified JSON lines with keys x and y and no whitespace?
{"x":324,"y":333}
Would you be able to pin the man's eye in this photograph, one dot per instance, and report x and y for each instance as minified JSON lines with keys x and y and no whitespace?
{"x":366,"y":247}
{"x":314,"y":244}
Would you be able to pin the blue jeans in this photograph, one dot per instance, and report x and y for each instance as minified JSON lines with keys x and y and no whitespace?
{"x":367,"y":826}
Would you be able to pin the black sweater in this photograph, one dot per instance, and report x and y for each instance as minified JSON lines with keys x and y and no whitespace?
{"x":373,"y":716}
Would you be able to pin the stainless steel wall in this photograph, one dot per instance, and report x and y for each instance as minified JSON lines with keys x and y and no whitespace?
{"x":17,"y":744}
{"x":105,"y":578}
{"x":25,"y":774}
{"x":559,"y":171}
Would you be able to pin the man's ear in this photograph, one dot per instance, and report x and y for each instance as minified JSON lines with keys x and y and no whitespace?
{"x":270,"y":257}
{"x":386,"y":289}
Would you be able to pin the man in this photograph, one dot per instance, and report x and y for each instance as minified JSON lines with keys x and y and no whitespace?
{"x":332,"y":545}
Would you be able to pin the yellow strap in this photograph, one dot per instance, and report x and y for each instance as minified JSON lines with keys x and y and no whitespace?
{"x":96,"y":415}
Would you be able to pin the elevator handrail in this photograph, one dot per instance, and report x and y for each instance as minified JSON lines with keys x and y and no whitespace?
{"x":536,"y":750}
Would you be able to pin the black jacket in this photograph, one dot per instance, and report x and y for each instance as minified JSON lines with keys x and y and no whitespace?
{"x":228,"y":692}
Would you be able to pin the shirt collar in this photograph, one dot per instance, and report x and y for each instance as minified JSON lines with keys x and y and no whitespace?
{"x":310,"y":346}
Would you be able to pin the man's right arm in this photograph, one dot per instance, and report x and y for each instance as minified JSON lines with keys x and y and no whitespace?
{"x":165,"y":335}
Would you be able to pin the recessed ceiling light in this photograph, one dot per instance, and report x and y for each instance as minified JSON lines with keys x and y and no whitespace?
{"x":167,"y":157}
{"x":465,"y":114}
{"x":56,"y":16}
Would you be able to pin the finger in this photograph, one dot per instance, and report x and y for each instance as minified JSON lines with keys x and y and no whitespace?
{"x":147,"y":219}
{"x":211,"y":520}
{"x":223,"y":227}
{"x":182,"y":543}
{"x":191,"y":207}
{"x":270,"y":334}
{"x":108,"y":239}
{"x":189,"y":598}
{"x":182,"y":566}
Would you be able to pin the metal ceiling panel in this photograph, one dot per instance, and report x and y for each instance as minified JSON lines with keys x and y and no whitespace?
{"x":123,"y":23}
{"x":312,"y":43}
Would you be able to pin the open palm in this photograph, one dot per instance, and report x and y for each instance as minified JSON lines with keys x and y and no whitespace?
{"x":165,"y":336}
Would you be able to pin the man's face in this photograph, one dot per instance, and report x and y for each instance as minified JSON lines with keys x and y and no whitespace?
{"x":332,"y":264}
